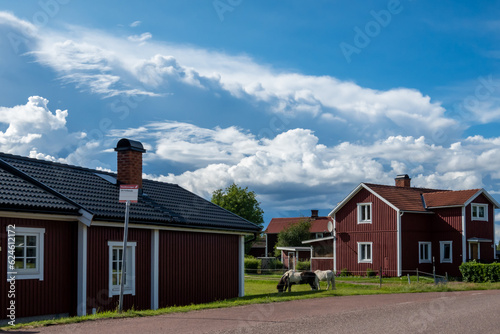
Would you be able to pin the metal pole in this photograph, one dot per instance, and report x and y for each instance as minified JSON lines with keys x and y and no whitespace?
{"x":380,"y":276}
{"x":124,"y":256}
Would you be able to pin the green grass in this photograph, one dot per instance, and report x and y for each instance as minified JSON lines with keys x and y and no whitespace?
{"x":262,"y":289}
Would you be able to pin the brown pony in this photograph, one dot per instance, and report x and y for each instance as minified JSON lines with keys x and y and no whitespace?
{"x":291,"y":277}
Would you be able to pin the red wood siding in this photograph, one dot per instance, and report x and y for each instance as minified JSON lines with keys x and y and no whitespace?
{"x":98,"y":268}
{"x":381,"y":232}
{"x":321,"y":264}
{"x":415,"y":227}
{"x":481,"y":229}
{"x":197,"y":267}
{"x":56,"y":294}
{"x":447,"y":226}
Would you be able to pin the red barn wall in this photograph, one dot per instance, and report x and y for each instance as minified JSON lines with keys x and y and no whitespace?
{"x":197,"y":267}
{"x":98,"y":268}
{"x":447,"y":226}
{"x":56,"y":294}
{"x":382,"y":232}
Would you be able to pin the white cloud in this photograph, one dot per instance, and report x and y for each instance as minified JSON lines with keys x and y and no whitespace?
{"x":135,"y":24}
{"x":32,"y":129}
{"x":295,"y":169}
{"x":140,"y":38}
{"x":111,"y":65}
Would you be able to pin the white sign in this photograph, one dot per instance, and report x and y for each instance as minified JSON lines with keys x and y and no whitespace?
{"x":129,"y":192}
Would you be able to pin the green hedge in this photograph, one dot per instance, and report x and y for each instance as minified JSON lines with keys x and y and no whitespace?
{"x":480,"y":272}
{"x":252,"y":265}
{"x":303,"y":265}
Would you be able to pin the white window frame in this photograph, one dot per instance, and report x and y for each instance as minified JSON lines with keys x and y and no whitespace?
{"x":366,"y":208}
{"x":477,"y":205}
{"x":441,"y":250}
{"x":129,"y":288}
{"x":319,"y":235}
{"x":366,"y":260}
{"x":428,"y":244}
{"x":36,"y":273}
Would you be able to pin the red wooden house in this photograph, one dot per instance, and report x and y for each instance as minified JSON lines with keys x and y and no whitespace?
{"x":66,"y":225}
{"x":320,"y":254}
{"x":400,"y":228}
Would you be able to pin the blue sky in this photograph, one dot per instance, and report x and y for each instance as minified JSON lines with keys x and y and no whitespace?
{"x":299,"y":101}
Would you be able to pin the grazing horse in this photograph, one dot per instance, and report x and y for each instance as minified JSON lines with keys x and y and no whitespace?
{"x":326,"y":275}
{"x":291,"y":277}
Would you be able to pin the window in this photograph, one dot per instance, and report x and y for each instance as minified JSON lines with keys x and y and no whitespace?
{"x":319,"y":235}
{"x":28,"y":252}
{"x":479,"y":211}
{"x":424,"y":252}
{"x":364,"y":213}
{"x":446,"y":251}
{"x":364,"y":252}
{"x":115,"y":267}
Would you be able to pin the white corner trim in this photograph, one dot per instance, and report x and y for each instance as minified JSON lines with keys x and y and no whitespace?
{"x":81,"y":298}
{"x":464,"y":236}
{"x":241,"y":285}
{"x":155,"y":263}
{"x":334,"y":244}
{"x":399,"y":246}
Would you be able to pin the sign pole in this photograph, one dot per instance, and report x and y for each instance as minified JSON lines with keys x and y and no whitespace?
{"x":124,"y":256}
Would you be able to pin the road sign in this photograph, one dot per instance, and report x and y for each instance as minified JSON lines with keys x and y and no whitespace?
{"x":129,"y":192}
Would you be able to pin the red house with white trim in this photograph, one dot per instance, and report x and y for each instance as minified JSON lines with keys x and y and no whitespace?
{"x":62,"y":232}
{"x":401,"y":229}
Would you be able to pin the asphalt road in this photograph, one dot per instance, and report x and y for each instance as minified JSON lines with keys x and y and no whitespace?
{"x":444,"y":312}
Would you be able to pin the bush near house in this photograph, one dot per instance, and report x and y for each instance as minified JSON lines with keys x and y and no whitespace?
{"x":303,"y":265}
{"x":480,"y":272}
{"x":252,"y":265}
{"x":370,"y":272}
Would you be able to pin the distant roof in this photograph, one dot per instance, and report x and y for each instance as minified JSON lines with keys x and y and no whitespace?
{"x":418,"y":199}
{"x":318,"y":224}
{"x":42,"y":186}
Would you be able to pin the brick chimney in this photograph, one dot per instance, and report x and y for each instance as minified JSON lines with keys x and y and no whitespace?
{"x":403,"y":181}
{"x":129,"y":161}
{"x":314,"y":213}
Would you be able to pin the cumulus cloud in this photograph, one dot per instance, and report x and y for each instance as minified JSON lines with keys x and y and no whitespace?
{"x":135,"y":24}
{"x":111,"y":65}
{"x":34,"y":130}
{"x":294,"y":169}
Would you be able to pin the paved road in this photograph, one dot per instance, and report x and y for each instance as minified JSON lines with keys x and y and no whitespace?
{"x":444,"y":312}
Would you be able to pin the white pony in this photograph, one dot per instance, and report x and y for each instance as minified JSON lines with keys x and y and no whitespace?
{"x":326,"y":275}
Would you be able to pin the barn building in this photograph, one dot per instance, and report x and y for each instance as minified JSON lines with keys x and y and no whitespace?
{"x":401,"y":229}
{"x":67,"y":227}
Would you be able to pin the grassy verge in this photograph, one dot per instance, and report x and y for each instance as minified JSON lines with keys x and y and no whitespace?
{"x":260,"y":290}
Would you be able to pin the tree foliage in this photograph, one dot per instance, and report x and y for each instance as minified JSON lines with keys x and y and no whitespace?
{"x":293,"y":235}
{"x":242,"y":202}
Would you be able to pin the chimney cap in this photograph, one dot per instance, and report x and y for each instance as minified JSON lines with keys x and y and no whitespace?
{"x":125,"y":144}
{"x":402,"y":176}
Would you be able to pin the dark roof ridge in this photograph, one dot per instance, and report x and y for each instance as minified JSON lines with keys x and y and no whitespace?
{"x":54,"y":163}
{"x":444,"y":191}
{"x":410,"y":188}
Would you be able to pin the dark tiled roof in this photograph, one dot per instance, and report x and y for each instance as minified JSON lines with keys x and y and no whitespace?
{"x":318,"y":225}
{"x":161,"y":203}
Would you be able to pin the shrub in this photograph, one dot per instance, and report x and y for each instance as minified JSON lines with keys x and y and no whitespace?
{"x":480,"y":272}
{"x":303,"y":265}
{"x":370,"y":272}
{"x":251,"y":265}
{"x":344,"y":272}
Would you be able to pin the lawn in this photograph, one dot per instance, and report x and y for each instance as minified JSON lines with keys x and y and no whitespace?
{"x":262,"y":289}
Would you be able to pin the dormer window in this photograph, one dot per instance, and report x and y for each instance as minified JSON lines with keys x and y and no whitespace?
{"x":364,"y":213}
{"x":479,"y":211}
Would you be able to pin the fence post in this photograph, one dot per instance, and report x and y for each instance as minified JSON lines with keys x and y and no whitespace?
{"x":409,"y":280}
{"x":380,"y":275}
{"x":417,"y":276}
{"x":433,"y":270}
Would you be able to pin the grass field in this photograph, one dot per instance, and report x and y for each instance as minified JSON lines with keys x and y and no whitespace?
{"x":262,"y":289}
